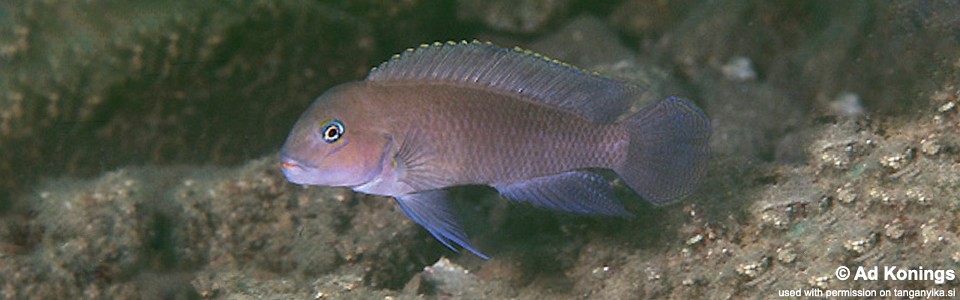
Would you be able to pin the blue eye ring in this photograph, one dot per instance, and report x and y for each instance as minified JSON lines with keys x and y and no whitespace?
{"x":332,"y":131}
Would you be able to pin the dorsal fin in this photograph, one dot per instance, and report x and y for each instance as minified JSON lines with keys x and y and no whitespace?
{"x":525,"y":73}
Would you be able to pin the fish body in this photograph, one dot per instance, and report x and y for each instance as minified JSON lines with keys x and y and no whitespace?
{"x":472,"y":113}
{"x":485,"y":138}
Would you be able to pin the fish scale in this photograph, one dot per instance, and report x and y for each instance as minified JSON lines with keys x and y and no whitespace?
{"x":470,"y":113}
{"x":501,"y":139}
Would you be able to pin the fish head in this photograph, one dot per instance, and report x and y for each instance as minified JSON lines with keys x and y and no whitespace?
{"x":336,"y":142}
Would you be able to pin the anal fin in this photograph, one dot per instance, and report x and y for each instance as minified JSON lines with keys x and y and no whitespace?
{"x":575,"y":191}
{"x":431,"y":210}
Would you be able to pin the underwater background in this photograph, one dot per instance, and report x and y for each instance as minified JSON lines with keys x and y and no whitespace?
{"x":138,"y":148}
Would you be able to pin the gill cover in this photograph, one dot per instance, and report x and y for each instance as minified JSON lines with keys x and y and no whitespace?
{"x":331,"y":145}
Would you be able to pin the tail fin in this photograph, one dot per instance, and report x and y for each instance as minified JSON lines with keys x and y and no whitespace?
{"x":668,"y":150}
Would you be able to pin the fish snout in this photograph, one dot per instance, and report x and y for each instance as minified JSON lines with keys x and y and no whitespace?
{"x":289,"y":165}
{"x":294,"y":171}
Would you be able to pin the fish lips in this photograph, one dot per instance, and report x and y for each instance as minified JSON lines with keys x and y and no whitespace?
{"x":298,"y":172}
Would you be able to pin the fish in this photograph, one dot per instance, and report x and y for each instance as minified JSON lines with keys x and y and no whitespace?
{"x":537,"y":130}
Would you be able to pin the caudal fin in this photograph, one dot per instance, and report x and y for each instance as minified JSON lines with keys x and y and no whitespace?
{"x":668,"y":150}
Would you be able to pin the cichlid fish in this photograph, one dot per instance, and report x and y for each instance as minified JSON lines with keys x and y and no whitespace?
{"x":471,"y":113}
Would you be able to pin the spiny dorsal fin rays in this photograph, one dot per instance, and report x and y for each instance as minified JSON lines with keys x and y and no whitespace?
{"x":530,"y":75}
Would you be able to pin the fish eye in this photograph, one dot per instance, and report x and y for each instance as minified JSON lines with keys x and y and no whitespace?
{"x":331,"y":131}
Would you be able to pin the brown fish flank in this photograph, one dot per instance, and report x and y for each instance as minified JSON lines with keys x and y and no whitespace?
{"x":484,"y":137}
{"x":471,"y":113}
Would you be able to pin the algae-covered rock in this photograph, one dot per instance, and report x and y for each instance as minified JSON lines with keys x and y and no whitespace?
{"x":110,"y":235}
{"x":811,"y":168}
{"x":524,"y":16}
{"x":90,"y":86}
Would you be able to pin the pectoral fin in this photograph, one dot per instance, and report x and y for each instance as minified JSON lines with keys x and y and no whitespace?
{"x":576,"y":191}
{"x":431,"y":210}
{"x":415,"y":163}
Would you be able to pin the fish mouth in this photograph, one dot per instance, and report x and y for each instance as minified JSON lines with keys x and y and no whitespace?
{"x":299,"y":172}
{"x":289,"y":165}
{"x":294,"y":170}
